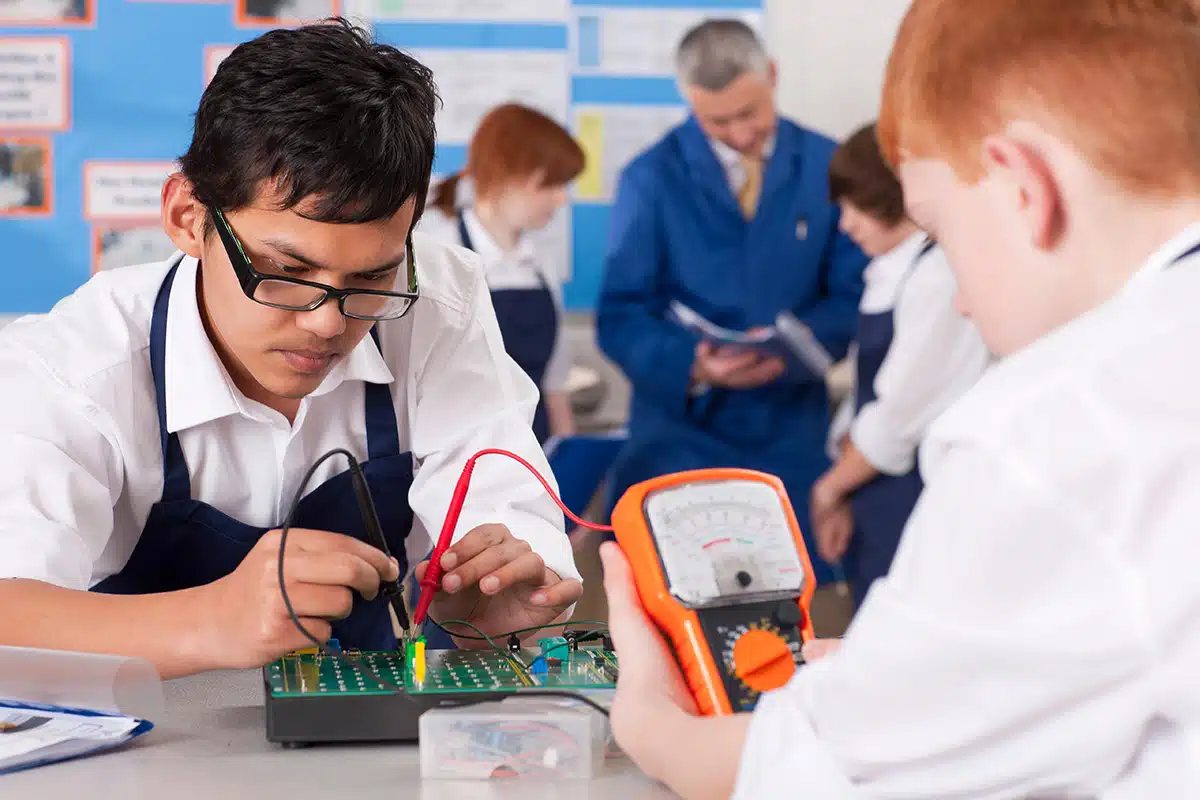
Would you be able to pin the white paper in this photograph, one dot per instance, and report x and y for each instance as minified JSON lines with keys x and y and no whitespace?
{"x":611,"y":136}
{"x":553,"y":244}
{"x":473,"y":10}
{"x":125,"y":247}
{"x":34,"y":85}
{"x":32,"y":735}
{"x":641,"y":41}
{"x":43,"y":10}
{"x":125,"y":190}
{"x":213,"y":56}
{"x":472,"y":82}
{"x":22,"y":731}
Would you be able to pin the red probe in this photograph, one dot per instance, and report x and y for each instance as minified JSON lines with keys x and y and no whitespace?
{"x":432,"y":582}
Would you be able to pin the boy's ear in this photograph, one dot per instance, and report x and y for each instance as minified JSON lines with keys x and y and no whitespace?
{"x":183,"y":215}
{"x":1030,"y":185}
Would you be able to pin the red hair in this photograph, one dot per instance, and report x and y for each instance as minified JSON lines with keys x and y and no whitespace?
{"x":513,"y":143}
{"x":1118,"y":79}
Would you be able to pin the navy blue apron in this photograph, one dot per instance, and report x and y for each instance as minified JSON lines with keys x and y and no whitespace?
{"x":883,"y":506}
{"x":529,"y":326}
{"x":187,"y":543}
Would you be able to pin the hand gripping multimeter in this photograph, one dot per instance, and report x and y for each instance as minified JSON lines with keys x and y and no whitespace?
{"x":721,"y":567}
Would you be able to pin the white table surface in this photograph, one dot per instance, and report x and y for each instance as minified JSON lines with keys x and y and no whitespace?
{"x":211,"y":743}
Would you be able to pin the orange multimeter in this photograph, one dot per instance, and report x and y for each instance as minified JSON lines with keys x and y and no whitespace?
{"x":721,"y":567}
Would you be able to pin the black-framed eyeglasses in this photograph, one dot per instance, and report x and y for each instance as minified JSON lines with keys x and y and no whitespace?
{"x":294,"y":294}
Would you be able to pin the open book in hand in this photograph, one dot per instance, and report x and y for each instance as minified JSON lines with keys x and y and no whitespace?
{"x":789,"y":339}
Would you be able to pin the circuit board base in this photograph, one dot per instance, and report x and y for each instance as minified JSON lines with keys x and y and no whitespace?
{"x":314,"y":698}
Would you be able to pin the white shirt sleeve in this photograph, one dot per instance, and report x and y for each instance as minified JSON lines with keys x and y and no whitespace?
{"x":559,"y":366}
{"x":935,"y":356}
{"x":60,"y":477}
{"x":472,"y":396}
{"x":1005,"y":655}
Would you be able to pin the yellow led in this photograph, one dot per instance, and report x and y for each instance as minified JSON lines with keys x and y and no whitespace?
{"x":419,"y":661}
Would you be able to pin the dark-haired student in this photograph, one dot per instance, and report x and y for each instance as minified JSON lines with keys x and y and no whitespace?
{"x":160,"y":419}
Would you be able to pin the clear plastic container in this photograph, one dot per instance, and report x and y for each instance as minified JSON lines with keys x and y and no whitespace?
{"x":526,"y":737}
{"x":110,"y":684}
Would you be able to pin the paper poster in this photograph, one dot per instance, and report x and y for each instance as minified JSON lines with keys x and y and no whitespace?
{"x":25,"y":177}
{"x":612,"y":136}
{"x":124,"y":190}
{"x":553,"y":244}
{"x":47,"y":12}
{"x":274,"y":13}
{"x":214,"y":54}
{"x":472,"y":82}
{"x":641,"y":41}
{"x":125,"y":247}
{"x":473,"y":10}
{"x":35,"y":88}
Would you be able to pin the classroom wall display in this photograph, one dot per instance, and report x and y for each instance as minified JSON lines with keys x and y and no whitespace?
{"x":97,"y":97}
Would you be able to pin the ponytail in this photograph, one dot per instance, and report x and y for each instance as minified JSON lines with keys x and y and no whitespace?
{"x":446,"y":193}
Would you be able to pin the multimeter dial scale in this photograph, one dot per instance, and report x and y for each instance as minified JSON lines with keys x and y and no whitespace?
{"x":723,"y":541}
{"x":721,"y":567}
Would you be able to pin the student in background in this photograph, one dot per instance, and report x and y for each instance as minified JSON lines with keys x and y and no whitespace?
{"x":1037,"y":635}
{"x":518,"y":167}
{"x":916,"y":354}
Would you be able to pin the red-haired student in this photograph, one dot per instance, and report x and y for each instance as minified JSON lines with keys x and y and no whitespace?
{"x":519,"y":164}
{"x":1038,"y":635}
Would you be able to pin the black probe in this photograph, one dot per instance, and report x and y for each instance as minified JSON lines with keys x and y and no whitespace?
{"x":392,"y":590}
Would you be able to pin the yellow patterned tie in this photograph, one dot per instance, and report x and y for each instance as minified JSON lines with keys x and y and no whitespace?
{"x":751,"y":186}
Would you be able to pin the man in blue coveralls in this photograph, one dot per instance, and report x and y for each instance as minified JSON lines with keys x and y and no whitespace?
{"x":729,"y":214}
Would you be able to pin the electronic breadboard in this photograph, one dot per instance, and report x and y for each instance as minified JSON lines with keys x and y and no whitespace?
{"x":315,"y":698}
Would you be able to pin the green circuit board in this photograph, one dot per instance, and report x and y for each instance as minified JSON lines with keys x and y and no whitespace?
{"x":307,"y":674}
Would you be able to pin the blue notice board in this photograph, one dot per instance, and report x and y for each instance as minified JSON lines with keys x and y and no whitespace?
{"x":97,"y":97}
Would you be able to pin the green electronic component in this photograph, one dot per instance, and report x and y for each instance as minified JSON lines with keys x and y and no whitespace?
{"x":554,"y":647}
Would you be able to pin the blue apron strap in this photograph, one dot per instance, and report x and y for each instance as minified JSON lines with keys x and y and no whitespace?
{"x":464,"y":236}
{"x":176,"y":483}
{"x":1195,"y":249}
{"x":383,"y":434}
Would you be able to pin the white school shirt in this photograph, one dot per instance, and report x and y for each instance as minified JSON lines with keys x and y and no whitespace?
{"x":522,"y":268}
{"x":936,"y":355}
{"x":79,"y":429}
{"x":1038,"y":635}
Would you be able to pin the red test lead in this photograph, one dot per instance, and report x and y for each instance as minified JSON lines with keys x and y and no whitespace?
{"x":431,"y":584}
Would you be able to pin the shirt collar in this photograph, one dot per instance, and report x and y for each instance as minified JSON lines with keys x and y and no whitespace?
{"x":1167,"y":254}
{"x":485,"y":246}
{"x":731,"y":158}
{"x":199,"y":389}
{"x":365,"y":363}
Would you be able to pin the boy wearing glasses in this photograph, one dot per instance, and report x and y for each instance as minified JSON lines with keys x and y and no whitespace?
{"x":159,"y":420}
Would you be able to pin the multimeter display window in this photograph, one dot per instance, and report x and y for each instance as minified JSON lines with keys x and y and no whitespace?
{"x":723,"y":542}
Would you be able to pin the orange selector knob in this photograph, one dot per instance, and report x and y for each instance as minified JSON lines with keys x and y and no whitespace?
{"x":762,"y":660}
